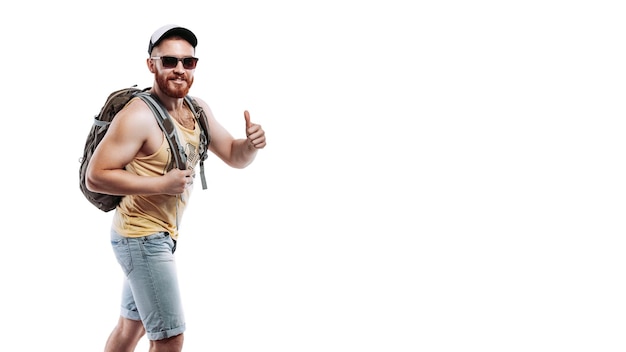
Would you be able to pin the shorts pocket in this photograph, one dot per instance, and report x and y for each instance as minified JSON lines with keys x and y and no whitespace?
{"x":158,"y":244}
{"x":121,"y":248}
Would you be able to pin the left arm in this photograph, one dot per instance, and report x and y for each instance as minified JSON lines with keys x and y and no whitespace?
{"x":237,"y":153}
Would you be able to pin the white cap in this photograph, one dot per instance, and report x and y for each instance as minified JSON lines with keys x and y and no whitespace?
{"x":169,"y":31}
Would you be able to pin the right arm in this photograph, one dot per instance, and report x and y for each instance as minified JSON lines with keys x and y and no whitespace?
{"x":133,"y":132}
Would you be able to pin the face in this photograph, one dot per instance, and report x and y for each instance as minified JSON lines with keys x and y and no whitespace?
{"x":174,"y":82}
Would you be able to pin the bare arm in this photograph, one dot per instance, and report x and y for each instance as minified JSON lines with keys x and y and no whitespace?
{"x":133,"y":132}
{"x":237,"y":153}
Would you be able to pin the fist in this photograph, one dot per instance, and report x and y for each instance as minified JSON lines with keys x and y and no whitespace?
{"x":254,"y":133}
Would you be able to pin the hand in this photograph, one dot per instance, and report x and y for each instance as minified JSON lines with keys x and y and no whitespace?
{"x":254,"y":133}
{"x":176,"y":181}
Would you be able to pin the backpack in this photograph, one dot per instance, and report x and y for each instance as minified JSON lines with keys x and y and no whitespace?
{"x":114,"y":103}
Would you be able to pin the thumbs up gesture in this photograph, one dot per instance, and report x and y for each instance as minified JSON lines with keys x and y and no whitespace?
{"x":254,"y":133}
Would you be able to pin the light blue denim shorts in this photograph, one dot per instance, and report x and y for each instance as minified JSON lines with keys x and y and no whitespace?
{"x":150,"y":292}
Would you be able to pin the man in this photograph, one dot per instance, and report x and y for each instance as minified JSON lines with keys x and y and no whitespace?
{"x":132,"y":160}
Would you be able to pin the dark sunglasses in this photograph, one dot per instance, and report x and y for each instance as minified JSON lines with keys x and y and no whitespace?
{"x":189,"y":63}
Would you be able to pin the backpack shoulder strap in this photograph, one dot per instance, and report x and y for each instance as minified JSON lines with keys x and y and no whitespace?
{"x":205,"y":135}
{"x":166,"y":124}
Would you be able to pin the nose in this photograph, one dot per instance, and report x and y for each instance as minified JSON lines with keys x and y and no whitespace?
{"x":179,"y":67}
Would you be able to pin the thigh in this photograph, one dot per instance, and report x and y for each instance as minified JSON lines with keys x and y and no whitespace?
{"x":153,"y":281}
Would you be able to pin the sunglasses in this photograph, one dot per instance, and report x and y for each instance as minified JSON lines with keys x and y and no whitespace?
{"x":189,"y":63}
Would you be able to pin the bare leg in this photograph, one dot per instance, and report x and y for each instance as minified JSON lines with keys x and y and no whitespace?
{"x":172,"y":344}
{"x":125,"y":336}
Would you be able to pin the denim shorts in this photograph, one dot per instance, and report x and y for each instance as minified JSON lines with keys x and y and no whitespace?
{"x":150,"y":292}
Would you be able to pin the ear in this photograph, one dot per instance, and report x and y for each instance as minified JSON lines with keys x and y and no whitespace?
{"x":150,"y":64}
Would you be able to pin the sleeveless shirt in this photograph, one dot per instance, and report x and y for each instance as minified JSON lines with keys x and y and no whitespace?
{"x":142,"y":215}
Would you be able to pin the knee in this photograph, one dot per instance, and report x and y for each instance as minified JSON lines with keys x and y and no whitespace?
{"x":131,"y":329}
{"x":174,"y":343}
{"x":139,"y":333}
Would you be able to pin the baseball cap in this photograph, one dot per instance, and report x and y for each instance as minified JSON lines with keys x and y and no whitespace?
{"x":170,"y":30}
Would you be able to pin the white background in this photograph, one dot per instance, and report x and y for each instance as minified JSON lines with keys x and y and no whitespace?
{"x":439,"y":175}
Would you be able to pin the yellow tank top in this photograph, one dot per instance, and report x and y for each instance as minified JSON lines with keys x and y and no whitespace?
{"x":139,"y":215}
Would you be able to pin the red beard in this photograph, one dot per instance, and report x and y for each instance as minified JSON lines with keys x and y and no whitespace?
{"x":174,"y":90}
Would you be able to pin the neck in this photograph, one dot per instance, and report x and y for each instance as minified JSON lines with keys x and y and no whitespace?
{"x":170,"y":103}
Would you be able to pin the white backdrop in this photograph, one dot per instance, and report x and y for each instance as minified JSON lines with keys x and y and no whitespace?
{"x":439,"y":176}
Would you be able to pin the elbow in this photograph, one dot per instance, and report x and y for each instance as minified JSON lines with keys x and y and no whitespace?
{"x":91,"y":185}
{"x":91,"y":181}
{"x":240,"y":164}
{"x":236,"y":165}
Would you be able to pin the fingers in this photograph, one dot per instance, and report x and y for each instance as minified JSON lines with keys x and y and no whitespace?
{"x":258,"y":143}
{"x":256,"y":136}
{"x":254,"y":132}
{"x":188,"y":181}
{"x":246,"y":115}
{"x":188,"y":177}
{"x":178,"y":181}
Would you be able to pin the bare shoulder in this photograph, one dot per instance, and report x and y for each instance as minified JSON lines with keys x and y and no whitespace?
{"x":135,"y":127}
{"x":135,"y":115}
{"x":133,"y":132}
{"x":221,"y":139}
{"x":204,"y":107}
